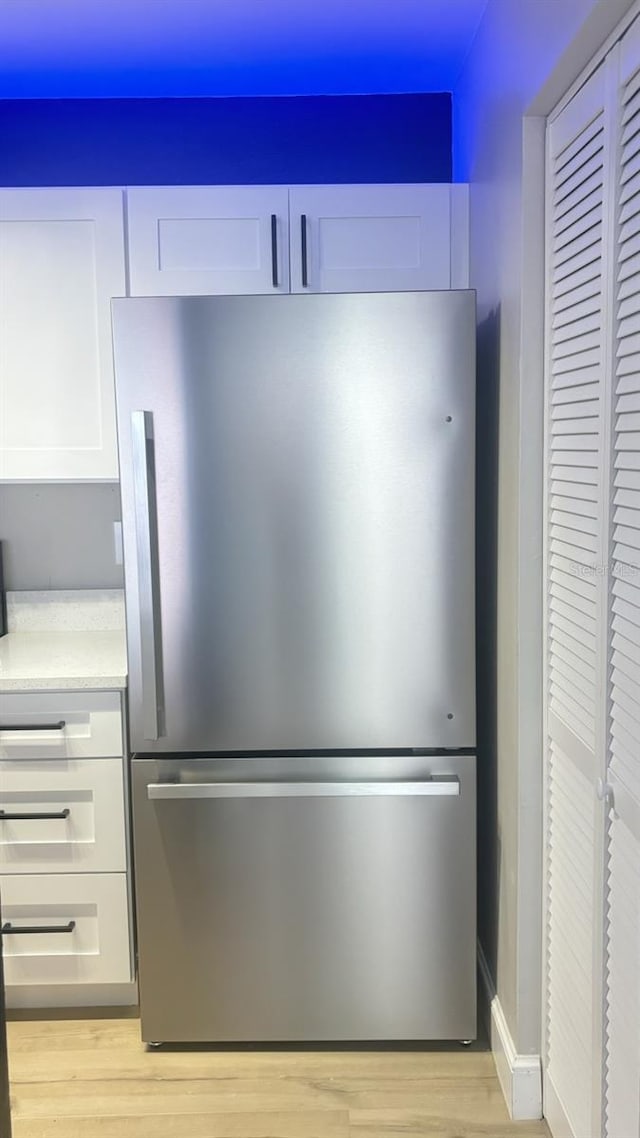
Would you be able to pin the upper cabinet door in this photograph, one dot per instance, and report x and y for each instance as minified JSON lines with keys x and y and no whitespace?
{"x":370,"y":238}
{"x":61,"y":261}
{"x":198,"y":240}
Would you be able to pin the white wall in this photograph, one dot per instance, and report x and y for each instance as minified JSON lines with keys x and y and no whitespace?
{"x":523,"y":47}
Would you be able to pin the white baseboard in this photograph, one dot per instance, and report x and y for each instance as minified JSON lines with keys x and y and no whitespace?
{"x":520,"y":1076}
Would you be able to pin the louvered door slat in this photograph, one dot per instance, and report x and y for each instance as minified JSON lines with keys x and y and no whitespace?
{"x":627,"y":210}
{"x":563,"y":657}
{"x":625,"y":699}
{"x":625,"y":590}
{"x":577,"y":506}
{"x":572,"y":254}
{"x":583,"y":491}
{"x":630,"y":124}
{"x":577,"y":153}
{"x":629,"y":286}
{"x":572,"y":324}
{"x":578,"y":377}
{"x":630,"y":225}
{"x":629,"y":401}
{"x":578,"y":224}
{"x":569,"y":313}
{"x":628,"y":268}
{"x":581,"y":557}
{"x":628,"y":611}
{"x":629,"y":325}
{"x":582,"y":270}
{"x":585,"y":195}
{"x":629,"y":305}
{"x":630,"y":189}
{"x":564,"y":626}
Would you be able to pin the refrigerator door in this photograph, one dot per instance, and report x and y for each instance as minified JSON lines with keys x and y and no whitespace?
{"x":298,"y":512}
{"x":306,"y":899}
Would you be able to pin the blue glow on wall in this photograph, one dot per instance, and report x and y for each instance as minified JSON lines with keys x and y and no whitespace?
{"x":367,"y":138}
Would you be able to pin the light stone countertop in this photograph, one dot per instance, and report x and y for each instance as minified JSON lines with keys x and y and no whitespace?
{"x":62,"y":640}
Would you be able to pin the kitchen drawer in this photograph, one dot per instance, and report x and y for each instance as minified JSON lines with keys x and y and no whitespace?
{"x":90,"y":836}
{"x":59,"y":725}
{"x":92,"y":910}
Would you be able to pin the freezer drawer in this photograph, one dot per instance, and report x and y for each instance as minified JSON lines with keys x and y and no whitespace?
{"x":306,"y":899}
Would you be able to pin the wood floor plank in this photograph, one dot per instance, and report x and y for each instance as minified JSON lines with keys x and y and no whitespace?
{"x":391,"y":1124}
{"x":464,"y":1097}
{"x":25,"y":1039}
{"x":300,"y":1124}
{"x":72,"y":1035}
{"x":94,"y":1078}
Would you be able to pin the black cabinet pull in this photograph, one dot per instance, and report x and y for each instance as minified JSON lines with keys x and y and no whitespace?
{"x":33,"y":726}
{"x":25,"y":930}
{"x":303,"y":243}
{"x":274,"y":250}
{"x":32,"y":816}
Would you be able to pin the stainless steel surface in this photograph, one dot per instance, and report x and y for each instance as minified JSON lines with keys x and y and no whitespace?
{"x":317,"y":918}
{"x":433,"y":787}
{"x":143,"y":483}
{"x":314,"y":465}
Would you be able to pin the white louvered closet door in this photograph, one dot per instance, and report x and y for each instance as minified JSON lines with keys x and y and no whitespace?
{"x":622,"y":788}
{"x":578,"y":219}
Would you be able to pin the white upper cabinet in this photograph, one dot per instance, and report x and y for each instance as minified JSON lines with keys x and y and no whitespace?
{"x":195,"y":240}
{"x":370,"y":238}
{"x":61,"y":261}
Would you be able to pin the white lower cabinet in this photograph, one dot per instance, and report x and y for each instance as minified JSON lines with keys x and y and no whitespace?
{"x":65,"y":820}
{"x":57,"y":726}
{"x":67,"y":928}
{"x":64,"y":884}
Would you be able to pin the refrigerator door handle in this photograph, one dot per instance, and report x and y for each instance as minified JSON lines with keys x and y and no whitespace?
{"x":437,"y":786}
{"x":143,"y":468}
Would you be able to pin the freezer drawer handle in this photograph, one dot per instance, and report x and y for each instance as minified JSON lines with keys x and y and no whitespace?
{"x":148,"y":572}
{"x":441,"y":786}
{"x":25,"y":930}
{"x":59,"y":726}
{"x":30,"y":816}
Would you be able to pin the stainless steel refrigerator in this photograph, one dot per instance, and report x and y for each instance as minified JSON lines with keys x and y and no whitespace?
{"x":297,"y":479}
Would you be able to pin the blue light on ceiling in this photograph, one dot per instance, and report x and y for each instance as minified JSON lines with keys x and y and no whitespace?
{"x":155,"y":48}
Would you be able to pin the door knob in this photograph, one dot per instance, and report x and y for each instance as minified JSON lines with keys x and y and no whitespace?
{"x":604,"y":791}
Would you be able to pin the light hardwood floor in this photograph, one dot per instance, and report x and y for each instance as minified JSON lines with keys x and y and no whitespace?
{"x":80,"y":1078}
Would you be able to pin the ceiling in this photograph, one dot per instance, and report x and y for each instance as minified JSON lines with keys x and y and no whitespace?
{"x":110,"y":48}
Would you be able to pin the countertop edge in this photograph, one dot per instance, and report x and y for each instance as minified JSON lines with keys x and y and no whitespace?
{"x":67,"y":683}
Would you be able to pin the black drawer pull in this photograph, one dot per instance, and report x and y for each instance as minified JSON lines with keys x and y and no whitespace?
{"x":24,"y":930}
{"x":32,"y":816}
{"x":33,"y":726}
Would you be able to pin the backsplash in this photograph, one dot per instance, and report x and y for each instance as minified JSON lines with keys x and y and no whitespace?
{"x":66,"y":610}
{"x":59,"y":535}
